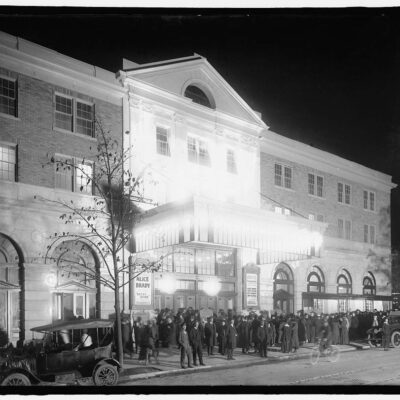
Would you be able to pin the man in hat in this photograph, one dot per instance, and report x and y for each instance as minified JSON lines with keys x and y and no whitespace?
{"x":210,"y":332}
{"x":231,"y":335}
{"x":195,"y":337}
{"x":185,"y":347}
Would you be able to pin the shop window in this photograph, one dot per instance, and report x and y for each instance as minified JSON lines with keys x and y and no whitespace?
{"x":184,"y":261}
{"x":368,"y":305}
{"x":225,"y":262}
{"x":205,"y":262}
{"x":343,"y":305}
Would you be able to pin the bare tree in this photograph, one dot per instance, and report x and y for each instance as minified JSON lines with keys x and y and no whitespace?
{"x":104,"y":222}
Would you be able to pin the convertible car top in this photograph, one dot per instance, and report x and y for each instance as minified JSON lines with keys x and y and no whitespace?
{"x":75,"y":324}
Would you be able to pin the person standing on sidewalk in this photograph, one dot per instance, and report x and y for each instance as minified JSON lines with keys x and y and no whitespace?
{"x":196,"y":343}
{"x":231,"y":335}
{"x":244,"y":333}
{"x":210,"y":331}
{"x":185,"y":347}
{"x":262,"y":335}
{"x":222,"y":337}
{"x":386,"y":334}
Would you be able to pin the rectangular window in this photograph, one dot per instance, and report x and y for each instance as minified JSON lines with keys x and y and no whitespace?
{"x":278,"y":210}
{"x":278,"y":175}
{"x":63,"y":115}
{"x":366,"y":231}
{"x":347,"y":194}
{"x":340,"y":228}
{"x":287,"y":211}
{"x":74,"y":115}
{"x":311,"y":217}
{"x":369,"y":305}
{"x":369,"y":200}
{"x":231,"y":162}
{"x":225,"y":262}
{"x":85,"y":119}
{"x":348,"y":230}
{"x":8,"y":162}
{"x":84,"y":178}
{"x":184,"y":261}
{"x":163,"y":141}
{"x":227,"y":287}
{"x":64,"y":178}
{"x":342,"y":305}
{"x":8,"y":97}
{"x":311,"y":184}
{"x":198,"y":151}
{"x":340,"y":192}
{"x":205,"y":262}
{"x":320,"y":218}
{"x":320,"y":186}
{"x":369,"y":234}
{"x":288,"y":177}
{"x":185,"y":284}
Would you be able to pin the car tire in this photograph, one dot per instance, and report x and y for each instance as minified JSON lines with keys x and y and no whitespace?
{"x":105,"y":375}
{"x":16,"y":379}
{"x":395,"y":339}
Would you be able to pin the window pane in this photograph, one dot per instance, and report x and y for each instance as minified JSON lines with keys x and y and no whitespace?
{"x":231,"y":162}
{"x":372,"y":201}
{"x":372,"y":234}
{"x":205,"y":261}
{"x":204,"y":156}
{"x":347,"y":194}
{"x":64,"y":173}
{"x":7,"y":163}
{"x":288,"y":177}
{"x":192,"y":149}
{"x":225,"y":261}
{"x":84,"y":175}
{"x":8,"y":97}
{"x":278,"y":175}
{"x":365,"y":200}
{"x":311,"y":183}
{"x":348,"y":230}
{"x":340,"y":228}
{"x":163,"y":141}
{"x":365,"y":233}
{"x":185,"y":284}
{"x":184,"y":261}
{"x":340,"y":192}
{"x":85,"y":118}
{"x":63,"y":113}
{"x":320,"y":186}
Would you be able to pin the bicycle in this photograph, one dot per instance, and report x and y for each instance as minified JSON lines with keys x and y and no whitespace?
{"x":330,"y":351}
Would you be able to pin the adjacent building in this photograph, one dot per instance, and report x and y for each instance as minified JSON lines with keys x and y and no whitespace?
{"x":242,"y":218}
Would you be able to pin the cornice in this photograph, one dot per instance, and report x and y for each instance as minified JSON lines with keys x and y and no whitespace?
{"x":60,"y":75}
{"x":295,"y":151}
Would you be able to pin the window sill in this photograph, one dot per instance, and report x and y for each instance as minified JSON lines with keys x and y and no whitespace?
{"x":79,"y":193}
{"x":285,"y":188}
{"x":316,"y":197}
{"x":344,"y":204}
{"x":59,"y":130}
{"x":8,"y":116}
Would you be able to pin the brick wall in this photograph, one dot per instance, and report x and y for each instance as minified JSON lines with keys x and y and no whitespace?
{"x":33,"y":130}
{"x":301,"y":202}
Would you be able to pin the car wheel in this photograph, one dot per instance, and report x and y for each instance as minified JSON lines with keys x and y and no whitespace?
{"x":16,"y":379}
{"x":105,"y":375}
{"x":373,"y":341}
{"x":396,"y":339}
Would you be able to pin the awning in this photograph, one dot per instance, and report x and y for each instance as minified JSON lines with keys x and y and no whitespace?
{"x":318,"y":295}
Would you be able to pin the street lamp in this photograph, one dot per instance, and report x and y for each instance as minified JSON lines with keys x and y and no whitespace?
{"x":212,"y":287}
{"x":167,"y":284}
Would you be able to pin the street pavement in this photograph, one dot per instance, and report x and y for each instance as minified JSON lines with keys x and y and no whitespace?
{"x":357,"y":367}
{"x":169,"y":363}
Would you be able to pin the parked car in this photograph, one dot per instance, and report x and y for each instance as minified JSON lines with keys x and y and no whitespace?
{"x":61,"y":357}
{"x":375,"y":334}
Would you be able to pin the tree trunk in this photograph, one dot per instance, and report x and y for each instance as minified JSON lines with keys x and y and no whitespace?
{"x":120,"y":350}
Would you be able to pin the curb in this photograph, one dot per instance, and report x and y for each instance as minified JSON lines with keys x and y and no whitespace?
{"x":240,"y":364}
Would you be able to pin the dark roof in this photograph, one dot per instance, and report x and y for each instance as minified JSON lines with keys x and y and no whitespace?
{"x":75,"y":324}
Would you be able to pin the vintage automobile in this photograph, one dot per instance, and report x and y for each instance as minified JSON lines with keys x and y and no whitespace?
{"x":375,"y":334}
{"x":59,"y":357}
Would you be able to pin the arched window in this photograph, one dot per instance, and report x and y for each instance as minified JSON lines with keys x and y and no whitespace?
{"x":369,"y":285}
{"x":344,"y":283}
{"x":198,"y":96}
{"x":283,"y":279}
{"x":315,"y":281}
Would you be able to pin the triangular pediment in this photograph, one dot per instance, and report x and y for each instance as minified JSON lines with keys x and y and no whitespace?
{"x":73,"y":286}
{"x":174,"y":76}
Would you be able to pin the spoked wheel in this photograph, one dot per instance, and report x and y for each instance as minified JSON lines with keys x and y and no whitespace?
{"x":396,"y":339}
{"x":333,"y":354}
{"x":315,"y":354}
{"x":105,"y":375}
{"x":16,"y":379}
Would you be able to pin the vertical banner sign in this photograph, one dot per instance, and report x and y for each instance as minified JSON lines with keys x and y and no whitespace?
{"x":143,"y":290}
{"x":251,"y":290}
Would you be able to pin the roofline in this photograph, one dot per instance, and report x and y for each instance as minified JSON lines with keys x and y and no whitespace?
{"x":164,"y":63}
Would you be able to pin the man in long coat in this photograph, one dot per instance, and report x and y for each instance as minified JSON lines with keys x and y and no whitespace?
{"x":244,"y":334}
{"x":222,"y":337}
{"x":386,"y":334}
{"x":184,"y":345}
{"x":210,"y":332}
{"x":262,"y":334}
{"x":231,"y":336}
{"x":294,"y":335}
{"x":195,"y":339}
{"x":286,"y":337}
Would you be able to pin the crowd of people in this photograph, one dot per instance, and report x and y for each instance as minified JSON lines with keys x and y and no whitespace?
{"x":253,"y":333}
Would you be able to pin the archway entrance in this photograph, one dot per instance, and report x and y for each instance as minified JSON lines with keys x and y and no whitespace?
{"x":10,"y":289}
{"x":283,"y":289}
{"x":77,"y":291}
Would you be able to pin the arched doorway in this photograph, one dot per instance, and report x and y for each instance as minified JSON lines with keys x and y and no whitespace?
{"x":283,"y":289}
{"x":11,"y":281}
{"x":77,"y":290}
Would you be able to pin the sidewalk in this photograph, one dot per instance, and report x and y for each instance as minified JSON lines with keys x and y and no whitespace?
{"x":169,"y":362}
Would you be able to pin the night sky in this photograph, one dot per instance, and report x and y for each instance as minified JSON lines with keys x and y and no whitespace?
{"x":326,"y":77}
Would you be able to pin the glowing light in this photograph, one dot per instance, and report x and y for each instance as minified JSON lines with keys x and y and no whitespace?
{"x":167,"y":284}
{"x":51,"y":279}
{"x":212,"y":287}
